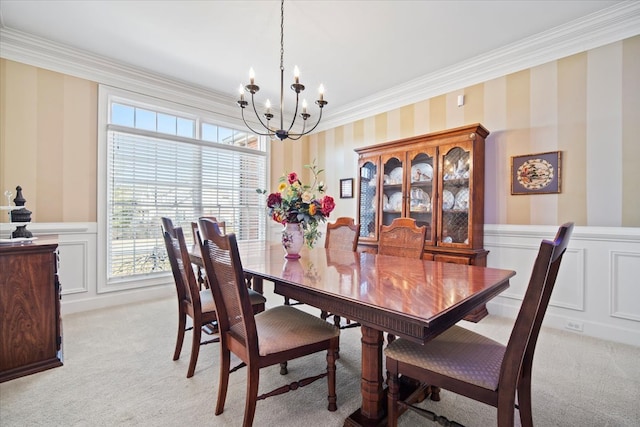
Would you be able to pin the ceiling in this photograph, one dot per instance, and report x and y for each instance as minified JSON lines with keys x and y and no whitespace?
{"x":354,"y":48}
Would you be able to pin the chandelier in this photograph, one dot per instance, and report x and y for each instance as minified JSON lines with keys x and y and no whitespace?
{"x":297,"y":87}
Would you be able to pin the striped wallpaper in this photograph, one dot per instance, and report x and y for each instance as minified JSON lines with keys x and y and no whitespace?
{"x":587,"y":106}
{"x":48,"y":142}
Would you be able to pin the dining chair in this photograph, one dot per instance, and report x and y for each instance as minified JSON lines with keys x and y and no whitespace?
{"x":402,"y":238}
{"x":342,"y":234}
{"x":196,"y":233}
{"x":193,"y":302}
{"x":196,"y":239}
{"x":274,"y":336}
{"x":475,"y":366}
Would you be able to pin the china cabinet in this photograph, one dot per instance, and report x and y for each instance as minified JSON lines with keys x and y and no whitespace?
{"x":30,"y":332}
{"x":437,"y":179}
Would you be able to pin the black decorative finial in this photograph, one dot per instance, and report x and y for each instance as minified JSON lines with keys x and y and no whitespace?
{"x":20,"y":215}
{"x":19,"y":200}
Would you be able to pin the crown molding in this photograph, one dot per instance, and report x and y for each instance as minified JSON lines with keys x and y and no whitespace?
{"x":29,"y":49}
{"x":609,"y":25}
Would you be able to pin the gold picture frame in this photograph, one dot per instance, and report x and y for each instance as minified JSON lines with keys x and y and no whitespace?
{"x":536,"y":173}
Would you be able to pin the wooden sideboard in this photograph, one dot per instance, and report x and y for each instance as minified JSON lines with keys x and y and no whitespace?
{"x":30,"y":326}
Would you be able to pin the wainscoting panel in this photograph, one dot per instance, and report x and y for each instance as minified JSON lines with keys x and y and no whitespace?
{"x":520,"y":258}
{"x":597,"y":290}
{"x":625,"y":285}
{"x":570,"y":285}
{"x":73,"y":266}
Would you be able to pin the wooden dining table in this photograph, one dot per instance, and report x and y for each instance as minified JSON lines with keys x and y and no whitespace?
{"x":409,"y":298}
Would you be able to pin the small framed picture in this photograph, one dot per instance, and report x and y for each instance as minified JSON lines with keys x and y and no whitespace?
{"x":536,"y":173}
{"x":346,"y":188}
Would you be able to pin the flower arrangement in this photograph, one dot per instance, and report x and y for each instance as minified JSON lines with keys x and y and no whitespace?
{"x":304,"y":204}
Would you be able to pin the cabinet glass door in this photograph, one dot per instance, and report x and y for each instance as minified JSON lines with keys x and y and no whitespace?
{"x":368,"y":199}
{"x":392,"y":189}
{"x":455,"y":197}
{"x":421,"y":194}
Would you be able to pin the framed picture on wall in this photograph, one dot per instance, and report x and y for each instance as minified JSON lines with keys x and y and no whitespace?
{"x":536,"y":173}
{"x":346,"y":188}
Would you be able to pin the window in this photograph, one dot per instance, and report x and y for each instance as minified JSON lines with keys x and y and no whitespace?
{"x":179,"y":164}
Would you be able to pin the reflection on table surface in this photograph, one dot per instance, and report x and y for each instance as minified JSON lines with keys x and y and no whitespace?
{"x":415,"y":288}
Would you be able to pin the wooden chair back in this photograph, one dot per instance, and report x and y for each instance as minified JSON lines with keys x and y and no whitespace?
{"x":186,"y":284}
{"x":230,"y":293}
{"x":342,"y":234}
{"x":524,"y":336}
{"x":167,"y":225}
{"x":196,"y":233}
{"x":192,"y":302}
{"x":402,"y":238}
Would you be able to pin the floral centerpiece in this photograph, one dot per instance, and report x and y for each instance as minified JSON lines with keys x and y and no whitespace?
{"x":298,"y":203}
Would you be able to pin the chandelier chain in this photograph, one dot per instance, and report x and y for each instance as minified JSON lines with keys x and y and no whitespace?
{"x":282,"y":36}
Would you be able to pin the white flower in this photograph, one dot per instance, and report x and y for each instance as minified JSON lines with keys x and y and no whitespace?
{"x":307,"y":197}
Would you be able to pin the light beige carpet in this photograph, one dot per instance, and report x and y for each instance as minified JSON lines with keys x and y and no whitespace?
{"x":118,"y":372}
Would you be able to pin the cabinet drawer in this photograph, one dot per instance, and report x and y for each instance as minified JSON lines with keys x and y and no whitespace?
{"x":452,"y":259}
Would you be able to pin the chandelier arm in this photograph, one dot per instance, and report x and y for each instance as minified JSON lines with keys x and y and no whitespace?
{"x":253,"y":104}
{"x":295,"y":136}
{"x":310,"y":130}
{"x":253,"y":130}
{"x":304,"y":126}
{"x":295,"y":113}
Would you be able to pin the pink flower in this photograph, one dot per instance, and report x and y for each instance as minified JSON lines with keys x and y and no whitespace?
{"x":328,"y":205}
{"x":293,"y":177}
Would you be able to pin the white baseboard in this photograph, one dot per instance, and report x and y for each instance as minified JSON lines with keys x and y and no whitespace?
{"x":590,"y":328}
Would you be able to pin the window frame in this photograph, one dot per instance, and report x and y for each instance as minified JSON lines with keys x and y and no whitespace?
{"x":108,"y":95}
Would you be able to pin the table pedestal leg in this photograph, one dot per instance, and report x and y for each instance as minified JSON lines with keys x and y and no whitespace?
{"x":372,"y":412}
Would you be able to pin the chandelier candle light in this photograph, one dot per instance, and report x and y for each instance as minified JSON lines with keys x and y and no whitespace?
{"x":297,"y":87}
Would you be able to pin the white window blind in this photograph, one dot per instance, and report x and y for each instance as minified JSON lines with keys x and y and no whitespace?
{"x":151,"y":175}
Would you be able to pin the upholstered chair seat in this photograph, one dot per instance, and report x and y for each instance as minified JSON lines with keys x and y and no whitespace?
{"x":457,"y":353}
{"x":284,"y":328}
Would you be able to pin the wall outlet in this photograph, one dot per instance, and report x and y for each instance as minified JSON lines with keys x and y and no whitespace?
{"x":574,"y":325}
